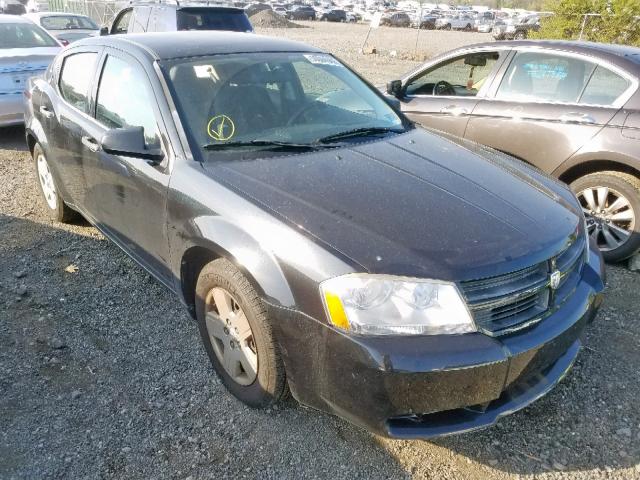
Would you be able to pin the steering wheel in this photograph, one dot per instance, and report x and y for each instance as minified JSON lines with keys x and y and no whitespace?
{"x":443,"y":88}
{"x":321,"y":100}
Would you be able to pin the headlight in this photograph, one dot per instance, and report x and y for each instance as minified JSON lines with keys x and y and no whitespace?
{"x":388,"y":305}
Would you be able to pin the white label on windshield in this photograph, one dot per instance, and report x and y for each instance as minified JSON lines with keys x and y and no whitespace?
{"x":319,"y":59}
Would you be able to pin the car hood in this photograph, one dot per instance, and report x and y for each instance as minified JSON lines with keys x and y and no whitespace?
{"x":415,"y":204}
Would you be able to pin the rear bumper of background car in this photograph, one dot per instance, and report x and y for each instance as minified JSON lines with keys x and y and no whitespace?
{"x":427,"y":386}
{"x":11,"y":109}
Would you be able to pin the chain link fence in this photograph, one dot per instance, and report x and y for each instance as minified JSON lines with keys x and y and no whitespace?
{"x":102,"y":12}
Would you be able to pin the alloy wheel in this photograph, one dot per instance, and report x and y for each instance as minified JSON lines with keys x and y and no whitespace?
{"x":610,"y":216}
{"x":231,"y":336}
{"x":46,"y":182}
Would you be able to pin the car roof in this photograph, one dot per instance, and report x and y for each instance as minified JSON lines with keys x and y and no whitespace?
{"x":617,"y":54}
{"x":166,"y":45}
{"x":5,"y":18}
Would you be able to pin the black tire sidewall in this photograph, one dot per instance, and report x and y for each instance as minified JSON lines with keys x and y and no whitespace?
{"x":265,"y":390}
{"x":631,"y":193}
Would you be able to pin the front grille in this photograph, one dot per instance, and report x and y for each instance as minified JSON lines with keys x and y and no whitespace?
{"x":516,"y":300}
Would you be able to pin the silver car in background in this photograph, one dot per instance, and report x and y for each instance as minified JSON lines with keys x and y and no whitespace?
{"x":26,"y":50}
{"x":66,"y":27}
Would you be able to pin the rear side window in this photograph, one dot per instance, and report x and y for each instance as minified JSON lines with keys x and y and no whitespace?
{"x":125,"y":100}
{"x":539,"y":76}
{"x":213,"y":19}
{"x":75,"y":79}
{"x":604,"y":87}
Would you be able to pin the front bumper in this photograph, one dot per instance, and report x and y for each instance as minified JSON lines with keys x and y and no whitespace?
{"x":11,"y":109}
{"x":428,"y":386}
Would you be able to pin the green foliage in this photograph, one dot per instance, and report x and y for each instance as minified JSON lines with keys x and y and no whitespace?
{"x":619,"y":21}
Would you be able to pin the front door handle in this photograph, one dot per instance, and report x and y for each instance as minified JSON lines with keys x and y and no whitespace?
{"x":454,"y":110}
{"x":576,"y":117}
{"x":46,"y":112}
{"x":91,"y":144}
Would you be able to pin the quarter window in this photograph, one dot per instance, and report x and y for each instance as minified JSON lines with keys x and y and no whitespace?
{"x":534,"y":76}
{"x":604,"y":87}
{"x":124,"y":99}
{"x":462,"y":76}
{"x":76,"y":76}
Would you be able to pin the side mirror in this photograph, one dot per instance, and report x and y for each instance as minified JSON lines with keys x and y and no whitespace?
{"x":394,"y":88}
{"x":104,"y":31}
{"x":130,"y":142}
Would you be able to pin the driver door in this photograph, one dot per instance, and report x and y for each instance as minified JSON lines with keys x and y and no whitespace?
{"x":443,"y":96}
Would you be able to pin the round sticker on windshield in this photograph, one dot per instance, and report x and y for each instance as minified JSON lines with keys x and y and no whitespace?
{"x":221,"y":128}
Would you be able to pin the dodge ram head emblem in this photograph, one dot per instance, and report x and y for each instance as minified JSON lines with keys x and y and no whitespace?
{"x":554,"y":280}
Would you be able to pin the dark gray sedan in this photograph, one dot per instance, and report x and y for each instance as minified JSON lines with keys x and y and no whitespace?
{"x":324,"y":244}
{"x":571,"y":109}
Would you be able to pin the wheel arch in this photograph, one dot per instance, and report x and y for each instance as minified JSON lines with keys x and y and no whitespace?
{"x":581,"y":169}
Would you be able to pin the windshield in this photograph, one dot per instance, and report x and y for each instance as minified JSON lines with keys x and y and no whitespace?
{"x":24,"y":35}
{"x":67,"y":22}
{"x":213,"y":19}
{"x":294,"y":98}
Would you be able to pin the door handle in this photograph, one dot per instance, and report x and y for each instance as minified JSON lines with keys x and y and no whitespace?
{"x":90,"y":143}
{"x":576,"y":117}
{"x":46,"y":112}
{"x":454,"y":110}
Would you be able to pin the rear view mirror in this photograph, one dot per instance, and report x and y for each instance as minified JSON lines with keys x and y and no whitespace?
{"x":130,"y":142}
{"x":104,"y":31}
{"x":394,"y":87}
{"x":476,"y":61}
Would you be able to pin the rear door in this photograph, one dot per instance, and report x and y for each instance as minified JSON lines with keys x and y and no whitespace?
{"x":66,"y":118}
{"x":443,"y":96}
{"x":547,"y":105}
{"x":129,"y":194}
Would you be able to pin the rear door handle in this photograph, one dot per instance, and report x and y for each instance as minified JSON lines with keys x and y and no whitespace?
{"x":46,"y":112}
{"x":91,"y":144}
{"x":454,"y":110}
{"x":576,"y":117}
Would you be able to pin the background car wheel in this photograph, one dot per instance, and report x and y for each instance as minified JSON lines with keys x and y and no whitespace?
{"x":520,"y":36}
{"x":611,"y":202}
{"x":447,"y":27}
{"x":237,"y":335}
{"x":57,"y":210}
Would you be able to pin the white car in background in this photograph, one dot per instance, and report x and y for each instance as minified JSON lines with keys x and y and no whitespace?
{"x":66,"y":27}
{"x":26,"y":50}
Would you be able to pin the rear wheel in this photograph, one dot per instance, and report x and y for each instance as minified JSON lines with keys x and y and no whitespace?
{"x":520,"y":35}
{"x":237,"y":335}
{"x":54,"y":205}
{"x":611,"y":203}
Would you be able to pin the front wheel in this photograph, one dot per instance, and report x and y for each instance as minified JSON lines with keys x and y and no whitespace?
{"x":237,"y":335}
{"x":56,"y":209}
{"x":611,"y":203}
{"x":520,"y":36}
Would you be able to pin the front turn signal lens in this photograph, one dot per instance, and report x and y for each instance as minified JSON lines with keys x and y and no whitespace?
{"x":336,"y":311}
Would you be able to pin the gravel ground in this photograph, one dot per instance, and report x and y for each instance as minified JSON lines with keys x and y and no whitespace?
{"x":102,"y":375}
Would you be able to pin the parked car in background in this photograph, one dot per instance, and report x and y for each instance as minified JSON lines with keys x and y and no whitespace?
{"x":353,"y":17}
{"x":280,"y":11}
{"x":301,"y":12}
{"x":333,"y":15}
{"x":571,"y":109}
{"x":66,"y":27}
{"x":12,"y":7}
{"x":397,"y":19}
{"x":413,"y":283}
{"x":26,"y":50}
{"x":517,"y":30}
{"x":455,"y":22}
{"x":168,"y":17}
{"x":484,"y":25}
{"x":426,"y":21}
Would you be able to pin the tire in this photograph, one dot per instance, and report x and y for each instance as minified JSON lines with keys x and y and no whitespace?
{"x":520,"y":36}
{"x":467,"y":28}
{"x":447,"y":27}
{"x":603,"y":224}
{"x":52,"y":201}
{"x":269,"y":384}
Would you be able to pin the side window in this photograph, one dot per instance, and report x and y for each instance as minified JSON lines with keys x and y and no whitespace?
{"x":75,"y":78}
{"x":121,"y":25}
{"x":604,"y":87}
{"x":140,"y":19}
{"x":125,"y":100}
{"x":544,"y":77}
{"x":462,"y":76}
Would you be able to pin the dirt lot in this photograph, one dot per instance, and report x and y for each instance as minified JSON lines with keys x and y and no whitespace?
{"x":102,"y":374}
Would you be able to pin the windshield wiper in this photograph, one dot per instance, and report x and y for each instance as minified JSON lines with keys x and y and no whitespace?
{"x":359,"y":132}
{"x":263,"y":143}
